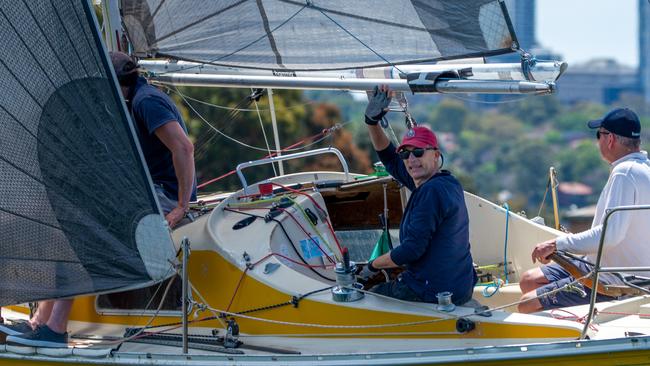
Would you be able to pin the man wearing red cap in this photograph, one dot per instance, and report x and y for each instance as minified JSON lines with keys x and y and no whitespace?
{"x":434,"y":233}
{"x":618,"y":135}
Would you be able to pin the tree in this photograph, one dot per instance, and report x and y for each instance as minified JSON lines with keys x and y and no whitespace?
{"x":449,"y":116}
{"x":575,"y":119}
{"x":212,"y":113}
{"x":584,"y":164}
{"x":534,"y":110}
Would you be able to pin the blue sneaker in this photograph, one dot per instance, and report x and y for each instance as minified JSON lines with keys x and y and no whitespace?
{"x":42,"y":336}
{"x":15,"y":328}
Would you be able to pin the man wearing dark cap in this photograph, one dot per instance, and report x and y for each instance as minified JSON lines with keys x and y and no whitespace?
{"x":170,"y":158}
{"x":163,"y":137}
{"x":434,"y":233}
{"x":618,"y":134}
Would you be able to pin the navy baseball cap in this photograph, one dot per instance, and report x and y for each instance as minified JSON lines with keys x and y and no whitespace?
{"x":620,"y":121}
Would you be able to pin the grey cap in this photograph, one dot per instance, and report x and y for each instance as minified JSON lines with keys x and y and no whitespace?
{"x":123,"y":64}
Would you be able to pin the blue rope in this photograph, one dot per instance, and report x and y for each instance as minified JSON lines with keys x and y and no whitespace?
{"x":505,"y":244}
{"x":496,"y":285}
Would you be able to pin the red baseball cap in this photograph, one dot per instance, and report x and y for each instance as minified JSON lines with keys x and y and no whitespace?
{"x":419,"y":136}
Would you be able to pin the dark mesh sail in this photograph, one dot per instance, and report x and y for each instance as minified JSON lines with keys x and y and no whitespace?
{"x":77,"y":213}
{"x":316,"y":34}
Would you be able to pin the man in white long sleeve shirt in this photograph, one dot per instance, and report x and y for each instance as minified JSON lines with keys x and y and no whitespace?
{"x":626,"y":242}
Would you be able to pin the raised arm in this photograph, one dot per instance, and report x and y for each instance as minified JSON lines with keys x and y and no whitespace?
{"x":375,"y":111}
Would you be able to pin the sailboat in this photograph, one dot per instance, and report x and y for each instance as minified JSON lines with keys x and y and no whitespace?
{"x":264,"y":276}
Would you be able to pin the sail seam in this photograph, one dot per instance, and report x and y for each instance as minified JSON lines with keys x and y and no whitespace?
{"x":269,"y":34}
{"x":155,"y":12}
{"x":218,"y":12}
{"x":353,"y":16}
{"x":85,"y":33}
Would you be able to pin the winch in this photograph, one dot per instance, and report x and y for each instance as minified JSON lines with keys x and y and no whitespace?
{"x":347,"y":288}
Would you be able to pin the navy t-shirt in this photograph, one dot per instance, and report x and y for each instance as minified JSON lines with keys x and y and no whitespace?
{"x":151,"y":108}
{"x":434,"y":234}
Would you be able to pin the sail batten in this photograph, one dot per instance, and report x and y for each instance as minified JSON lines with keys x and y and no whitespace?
{"x":77,"y":210}
{"x":316,"y":35}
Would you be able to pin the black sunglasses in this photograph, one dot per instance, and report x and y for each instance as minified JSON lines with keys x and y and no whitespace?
{"x":599,"y":133}
{"x":418,"y":152}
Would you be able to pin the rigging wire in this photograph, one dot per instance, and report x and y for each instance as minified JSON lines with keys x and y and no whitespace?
{"x":266,"y":140}
{"x":302,"y":228}
{"x":318,"y":207}
{"x":360,"y":41}
{"x":318,"y":138}
{"x":202,"y":144}
{"x":293,"y":245}
{"x":175,"y":90}
{"x":218,"y":131}
{"x":446,"y":316}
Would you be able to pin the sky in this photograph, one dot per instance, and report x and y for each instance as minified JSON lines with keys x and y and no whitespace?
{"x":580,"y":30}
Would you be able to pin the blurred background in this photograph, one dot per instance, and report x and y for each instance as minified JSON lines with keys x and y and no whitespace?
{"x":501,"y":147}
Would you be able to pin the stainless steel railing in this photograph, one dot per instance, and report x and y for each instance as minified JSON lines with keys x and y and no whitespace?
{"x":597,"y":269}
{"x":302,"y":154}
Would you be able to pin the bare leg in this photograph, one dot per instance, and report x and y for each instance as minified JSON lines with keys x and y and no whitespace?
{"x":532,"y":279}
{"x":42,"y":314}
{"x":529,"y":282}
{"x":58,"y":320}
{"x":531,"y":303}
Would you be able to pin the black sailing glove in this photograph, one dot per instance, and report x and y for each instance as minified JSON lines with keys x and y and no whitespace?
{"x":377,"y":106}
{"x":367,"y":271}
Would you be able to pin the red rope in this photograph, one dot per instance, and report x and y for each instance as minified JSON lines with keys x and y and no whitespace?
{"x":316,"y":136}
{"x":243,"y":274}
{"x":306,"y":233}
{"x":297,"y":223}
{"x":317,"y":206}
{"x":572,"y":316}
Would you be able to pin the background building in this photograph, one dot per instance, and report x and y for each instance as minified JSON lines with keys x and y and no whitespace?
{"x":644,"y":49}
{"x":599,"y":81}
{"x":522,"y":14}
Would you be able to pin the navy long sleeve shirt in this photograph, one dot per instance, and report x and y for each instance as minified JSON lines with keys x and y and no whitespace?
{"x":434,"y":234}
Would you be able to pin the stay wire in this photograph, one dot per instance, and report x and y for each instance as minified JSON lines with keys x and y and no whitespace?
{"x":266,"y":140}
{"x":203,"y":143}
{"x":243,"y":143}
{"x":541,"y":206}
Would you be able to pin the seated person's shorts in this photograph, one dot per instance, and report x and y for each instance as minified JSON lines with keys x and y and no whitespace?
{"x":559,"y":277}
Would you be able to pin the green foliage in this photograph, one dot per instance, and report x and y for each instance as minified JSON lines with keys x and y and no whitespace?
{"x":509,"y":148}
{"x":576,"y":118}
{"x":245,"y":122}
{"x":582,"y":163}
{"x":533,"y":110}
{"x":449,"y":115}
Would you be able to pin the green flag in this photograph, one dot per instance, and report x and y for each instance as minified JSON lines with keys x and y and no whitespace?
{"x":381,"y":247}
